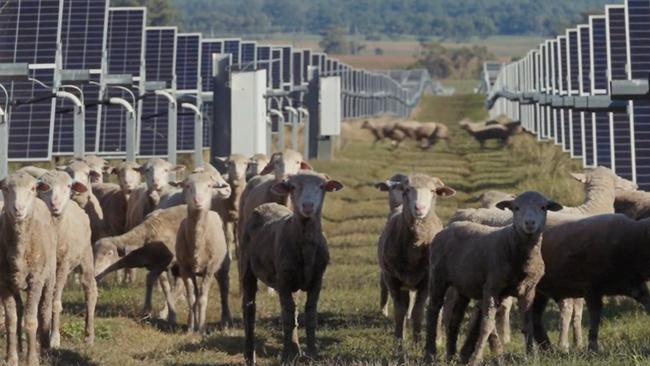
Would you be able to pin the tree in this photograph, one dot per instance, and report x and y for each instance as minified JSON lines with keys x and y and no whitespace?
{"x":159,"y":12}
{"x":335,"y":41}
{"x":461,"y":63}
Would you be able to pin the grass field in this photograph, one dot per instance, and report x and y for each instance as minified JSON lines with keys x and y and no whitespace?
{"x":351,"y":330}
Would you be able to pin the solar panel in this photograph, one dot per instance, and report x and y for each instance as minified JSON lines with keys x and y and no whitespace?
{"x":587,"y":128}
{"x":160,"y":65}
{"x":29,"y":32}
{"x":306,"y":57}
{"x":599,"y":86}
{"x":188,"y":72}
{"x":125,"y":51}
{"x":248,"y":55}
{"x":617,"y":61}
{"x":315,"y":60}
{"x":573,"y":87}
{"x":287,"y":62}
{"x":555,"y":90}
{"x":264,"y":62}
{"x":297,"y":68}
{"x":638,"y":16}
{"x":535,"y":87}
{"x":208,"y":48}
{"x":232,"y":46}
{"x":276,"y":68}
{"x":565,"y":116}
{"x":541,"y":73}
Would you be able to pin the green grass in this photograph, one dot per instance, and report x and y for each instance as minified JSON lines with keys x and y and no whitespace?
{"x":351,"y":329}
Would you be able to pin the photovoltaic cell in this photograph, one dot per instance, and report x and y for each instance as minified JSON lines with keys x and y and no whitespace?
{"x":276,"y":68}
{"x":617,"y":59}
{"x":599,"y":85}
{"x":264,"y":62}
{"x":232,"y":46}
{"x":638,"y":15}
{"x":564,"y":76}
{"x":297,"y":68}
{"x":83,"y":32}
{"x":573,"y":51}
{"x":208,"y":48}
{"x":29,"y":32}
{"x":287,"y":62}
{"x":160,"y":63}
{"x":587,"y":129}
{"x":306,"y":60}
{"x":248,"y":53}
{"x":125,"y":49}
{"x":188,"y":71}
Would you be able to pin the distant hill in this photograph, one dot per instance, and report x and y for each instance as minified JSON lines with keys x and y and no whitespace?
{"x":448,"y":19}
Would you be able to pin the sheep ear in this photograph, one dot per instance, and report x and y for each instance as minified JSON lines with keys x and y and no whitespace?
{"x":43,"y":187}
{"x":79,"y":187}
{"x":383,"y":186}
{"x":282,"y":188}
{"x":222,"y":159}
{"x":268,"y":169}
{"x":176,"y":184}
{"x":554,"y":206}
{"x":580,"y":177}
{"x":94,"y":174}
{"x":332,"y":186}
{"x":178,"y":168}
{"x":305,"y":166}
{"x":504,"y":204}
{"x":445,"y":191}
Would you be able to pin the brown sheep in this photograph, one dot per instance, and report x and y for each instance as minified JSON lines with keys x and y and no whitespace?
{"x":228,"y":209}
{"x":98,"y":166}
{"x":633,"y":204}
{"x":201,"y":247}
{"x":404,"y":246}
{"x":409,"y":128}
{"x":28,"y":263}
{"x":377,"y":129}
{"x":485,"y":263}
{"x":72,"y":230}
{"x":494,"y":132}
{"x":286,"y":250}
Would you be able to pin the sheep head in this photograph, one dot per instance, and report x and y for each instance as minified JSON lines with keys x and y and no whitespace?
{"x":307,"y":190}
{"x":420,"y":192}
{"x":98,"y":166}
{"x":285,"y":164}
{"x":156,"y":173}
{"x":128,"y":175}
{"x":394,"y":187}
{"x":55,"y":189}
{"x":105,"y":254}
{"x":529,"y":211}
{"x":201,"y":187}
{"x":256,"y":164}
{"x":19,"y":191}
{"x":78,"y":170}
{"x":236,"y":166}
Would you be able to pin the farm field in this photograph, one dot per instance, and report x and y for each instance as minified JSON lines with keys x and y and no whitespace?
{"x":351,"y":329}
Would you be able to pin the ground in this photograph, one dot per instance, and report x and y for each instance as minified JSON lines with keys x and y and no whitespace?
{"x":351,"y":329}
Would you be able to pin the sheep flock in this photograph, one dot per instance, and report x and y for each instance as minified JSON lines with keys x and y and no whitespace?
{"x":260,"y":220}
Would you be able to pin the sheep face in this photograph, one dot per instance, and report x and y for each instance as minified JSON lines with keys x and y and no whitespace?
{"x":285,"y":164}
{"x":128,"y":176}
{"x":78,"y":170}
{"x":529,"y":212}
{"x":307,"y":190}
{"x":97,"y":168}
{"x":200,"y":188}
{"x":256,"y":164}
{"x":237,"y":166}
{"x":420,"y":192}
{"x":105,"y":254}
{"x":19,"y":191}
{"x":156,"y":173}
{"x":55,"y":189}
{"x":394,"y":188}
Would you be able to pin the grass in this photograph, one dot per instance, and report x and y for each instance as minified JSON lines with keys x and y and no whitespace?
{"x":351,"y":330}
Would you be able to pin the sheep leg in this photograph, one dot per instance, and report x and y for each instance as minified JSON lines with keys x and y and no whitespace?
{"x":383,"y":297}
{"x":539,"y":331}
{"x":418,"y":311}
{"x":62,"y":271}
{"x":197,"y":297}
{"x":437,"y":290}
{"x":152,"y":276}
{"x":249,"y":291}
{"x":20,"y":311}
{"x":472,"y":335}
{"x":311,"y":319}
{"x":89,"y":286}
{"x":291,"y":348}
{"x":503,"y":319}
{"x":488,"y":312}
{"x":31,"y":321}
{"x":456,"y":313}
{"x":578,"y":306}
{"x":11,"y":328}
{"x":400,"y":307}
{"x":189,"y":289}
{"x":169,"y":310}
{"x":223,"y":280}
{"x":595,"y":306}
{"x":202,"y":300}
{"x":44,"y":314}
{"x":525,"y":307}
{"x":566,"y":309}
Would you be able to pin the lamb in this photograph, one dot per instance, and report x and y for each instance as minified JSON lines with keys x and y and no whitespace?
{"x":255,"y":166}
{"x":494,"y":132}
{"x":201,"y":247}
{"x":485,"y":263}
{"x":73,"y":249}
{"x":286,"y":250}
{"x":28,"y":263}
{"x":409,"y":128}
{"x":404,"y":245}
{"x":633,"y":204}
{"x":258,"y":190}
{"x":229,"y":208}
{"x":114,"y":198}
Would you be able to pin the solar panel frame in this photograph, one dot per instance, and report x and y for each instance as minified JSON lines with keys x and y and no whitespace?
{"x":264,"y":62}
{"x":297,"y":67}
{"x":248,"y":55}
{"x":188,"y":82}
{"x":276,"y":68}
{"x":209,"y":46}
{"x":287,"y":66}
{"x":587,"y":130}
{"x":599,"y":85}
{"x":554,"y":76}
{"x":233,"y":46}
{"x":573,"y":88}
{"x":29,"y":33}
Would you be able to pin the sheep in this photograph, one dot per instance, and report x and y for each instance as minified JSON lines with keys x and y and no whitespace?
{"x":403,"y":247}
{"x":633,"y":204}
{"x":201,"y":247}
{"x":601,"y":185}
{"x":97,"y":166}
{"x":229,"y":208}
{"x":485,"y":263}
{"x":495,"y":132}
{"x":258,"y":190}
{"x":489,"y":199}
{"x":396,"y":137}
{"x":143,"y":200}
{"x":73,"y":249}
{"x":255,"y":166}
{"x":128,"y":176}
{"x":286,"y":250}
{"x":28,"y":263}
{"x":377,"y":129}
{"x":603,"y":255}
{"x":409,"y":128}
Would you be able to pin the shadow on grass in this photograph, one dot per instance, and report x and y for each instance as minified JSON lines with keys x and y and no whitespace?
{"x":68,"y":357}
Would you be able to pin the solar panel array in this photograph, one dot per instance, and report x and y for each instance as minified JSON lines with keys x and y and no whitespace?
{"x":612,"y":47}
{"x":188,"y":72}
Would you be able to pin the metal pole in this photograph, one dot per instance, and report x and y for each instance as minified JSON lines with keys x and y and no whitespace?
{"x":281,"y":121}
{"x":305,"y":117}
{"x":4,"y":144}
{"x":295,"y":121}
{"x":198,"y":133}
{"x":79,"y":144}
{"x":172,"y":110}
{"x":130,"y":126}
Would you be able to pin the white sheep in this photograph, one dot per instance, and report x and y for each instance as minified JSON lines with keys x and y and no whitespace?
{"x":487,"y":264}
{"x":28,"y":263}
{"x":72,"y":230}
